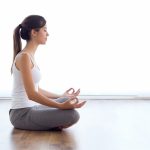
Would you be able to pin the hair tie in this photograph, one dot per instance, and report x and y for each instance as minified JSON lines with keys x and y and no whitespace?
{"x":20,"y":25}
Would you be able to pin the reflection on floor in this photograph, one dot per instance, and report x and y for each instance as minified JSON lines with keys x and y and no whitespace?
{"x":104,"y":125}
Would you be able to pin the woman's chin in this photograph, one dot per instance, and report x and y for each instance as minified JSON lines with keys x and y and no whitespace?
{"x":43,"y":43}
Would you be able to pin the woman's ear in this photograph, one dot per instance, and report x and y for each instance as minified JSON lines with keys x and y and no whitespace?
{"x":33,"y":33}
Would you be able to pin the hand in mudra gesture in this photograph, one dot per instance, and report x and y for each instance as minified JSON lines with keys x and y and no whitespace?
{"x":71,"y":93}
{"x":73,"y":101}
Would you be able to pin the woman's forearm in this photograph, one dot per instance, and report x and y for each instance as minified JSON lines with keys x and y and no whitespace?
{"x":42,"y":99}
{"x":49,"y":94}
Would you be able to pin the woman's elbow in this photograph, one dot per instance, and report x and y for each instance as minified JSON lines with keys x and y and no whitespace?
{"x":32,"y":95}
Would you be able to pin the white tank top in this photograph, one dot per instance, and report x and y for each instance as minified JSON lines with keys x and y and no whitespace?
{"x":19,"y":96}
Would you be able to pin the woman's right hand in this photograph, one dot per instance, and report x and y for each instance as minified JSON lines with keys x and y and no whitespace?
{"x":72,"y":103}
{"x":70,"y":93}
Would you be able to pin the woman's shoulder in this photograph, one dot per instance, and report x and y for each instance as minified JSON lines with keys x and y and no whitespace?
{"x":23,"y":56}
{"x":22,"y":59}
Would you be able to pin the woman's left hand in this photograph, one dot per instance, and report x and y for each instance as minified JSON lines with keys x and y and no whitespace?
{"x":71,"y":93}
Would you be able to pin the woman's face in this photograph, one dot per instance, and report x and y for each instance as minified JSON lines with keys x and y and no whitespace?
{"x":41,"y":35}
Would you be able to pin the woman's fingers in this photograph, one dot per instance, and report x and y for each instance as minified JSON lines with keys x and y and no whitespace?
{"x":70,"y":91}
{"x":80,"y":104}
{"x":74,"y":101}
{"x":77,"y":92}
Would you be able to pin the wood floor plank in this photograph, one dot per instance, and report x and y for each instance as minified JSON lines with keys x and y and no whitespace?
{"x":103,"y":125}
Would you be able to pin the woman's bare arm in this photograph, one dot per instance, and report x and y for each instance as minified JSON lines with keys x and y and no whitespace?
{"x":49,"y":94}
{"x":23,"y":63}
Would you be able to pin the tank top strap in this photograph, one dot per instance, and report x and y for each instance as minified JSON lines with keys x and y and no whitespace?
{"x":31,"y":58}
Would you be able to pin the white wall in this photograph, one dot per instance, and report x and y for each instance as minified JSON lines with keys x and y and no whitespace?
{"x":100,"y":46}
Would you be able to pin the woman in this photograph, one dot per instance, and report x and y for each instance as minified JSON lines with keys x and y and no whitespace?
{"x":34,"y":108}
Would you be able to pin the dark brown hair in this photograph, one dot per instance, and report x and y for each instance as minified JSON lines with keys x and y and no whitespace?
{"x":23,"y":31}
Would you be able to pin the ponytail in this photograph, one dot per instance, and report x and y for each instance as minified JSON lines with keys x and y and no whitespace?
{"x":17,"y":45}
{"x":23,"y":31}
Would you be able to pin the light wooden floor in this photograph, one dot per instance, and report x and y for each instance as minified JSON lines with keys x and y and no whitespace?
{"x":104,"y":125}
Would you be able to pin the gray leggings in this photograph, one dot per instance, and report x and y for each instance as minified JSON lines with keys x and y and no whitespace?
{"x":42,"y":117}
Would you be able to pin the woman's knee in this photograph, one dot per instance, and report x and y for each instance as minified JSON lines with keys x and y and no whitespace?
{"x":73,"y":117}
{"x":76,"y":116}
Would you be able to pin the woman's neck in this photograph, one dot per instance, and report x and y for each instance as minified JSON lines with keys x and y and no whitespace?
{"x":30,"y":48}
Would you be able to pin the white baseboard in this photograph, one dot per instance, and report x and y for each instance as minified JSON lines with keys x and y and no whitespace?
{"x":107,"y":97}
{"x":5,"y":98}
{"x":101,"y":97}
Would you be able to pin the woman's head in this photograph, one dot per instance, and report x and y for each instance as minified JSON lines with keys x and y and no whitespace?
{"x":31,"y":22}
{"x":30,"y":26}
